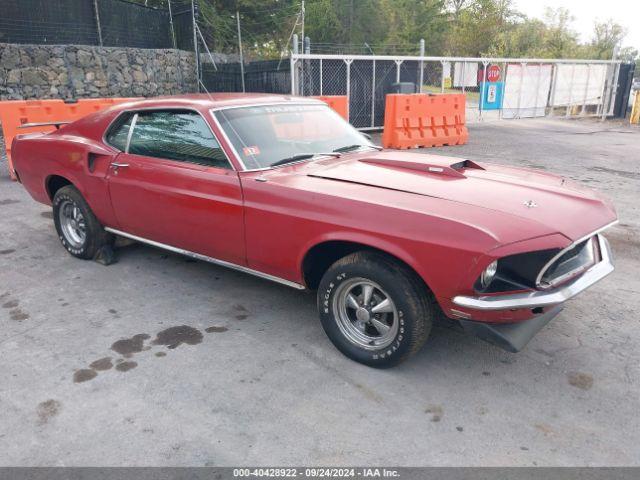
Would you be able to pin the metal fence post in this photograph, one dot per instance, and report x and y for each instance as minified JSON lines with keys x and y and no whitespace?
{"x":586,"y":91}
{"x":195,"y":43}
{"x":603,"y":92}
{"x":320,"y":76}
{"x":522,"y":67}
{"x":348,"y":62}
{"x":173,"y":31}
{"x":606,"y":92}
{"x":570,"y":101}
{"x":442,"y":76}
{"x":240,"y":49}
{"x":421,"y":76}
{"x":294,"y":65}
{"x":99,"y":28}
{"x":535,"y":103}
{"x":614,"y":89}
{"x":482,"y":90}
{"x":398,"y":63}
{"x":554,"y":83}
{"x":373,"y":93}
{"x":464,"y":76}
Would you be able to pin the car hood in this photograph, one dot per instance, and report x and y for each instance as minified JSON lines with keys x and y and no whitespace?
{"x":555,"y":202}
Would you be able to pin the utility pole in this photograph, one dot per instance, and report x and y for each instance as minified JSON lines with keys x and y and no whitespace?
{"x":97,"y":13}
{"x":196,"y":50}
{"x":350,"y":20}
{"x":303,"y":46}
{"x":240,"y":48}
{"x":173,"y":31}
{"x":302,"y":12}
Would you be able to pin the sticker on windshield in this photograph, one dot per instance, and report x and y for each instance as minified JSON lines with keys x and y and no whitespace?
{"x":248,"y":151}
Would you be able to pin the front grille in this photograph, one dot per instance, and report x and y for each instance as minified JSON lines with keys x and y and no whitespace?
{"x":570,"y":263}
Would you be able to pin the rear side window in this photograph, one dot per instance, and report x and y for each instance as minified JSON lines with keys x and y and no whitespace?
{"x":117,"y":136}
{"x":178,"y":135}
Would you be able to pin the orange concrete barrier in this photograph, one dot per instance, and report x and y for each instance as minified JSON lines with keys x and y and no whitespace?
{"x":15,"y":113}
{"x":423,"y":120}
{"x":338,"y":103}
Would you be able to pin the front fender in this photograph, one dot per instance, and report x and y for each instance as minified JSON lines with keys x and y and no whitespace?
{"x":366,"y":239}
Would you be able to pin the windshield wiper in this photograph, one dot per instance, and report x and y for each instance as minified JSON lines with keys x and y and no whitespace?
{"x":348,"y":148}
{"x":304,"y":156}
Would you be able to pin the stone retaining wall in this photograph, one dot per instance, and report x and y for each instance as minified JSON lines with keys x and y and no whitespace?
{"x":68,"y":71}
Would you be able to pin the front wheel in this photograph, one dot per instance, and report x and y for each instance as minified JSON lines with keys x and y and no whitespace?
{"x":78,"y":228}
{"x":374,"y":309}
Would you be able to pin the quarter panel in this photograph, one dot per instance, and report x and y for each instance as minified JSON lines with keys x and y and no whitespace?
{"x":41,"y":157}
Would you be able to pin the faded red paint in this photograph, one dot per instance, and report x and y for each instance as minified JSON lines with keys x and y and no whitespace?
{"x":447,"y":224}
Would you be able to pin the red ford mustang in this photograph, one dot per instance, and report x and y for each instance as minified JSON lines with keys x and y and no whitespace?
{"x":283,"y":188}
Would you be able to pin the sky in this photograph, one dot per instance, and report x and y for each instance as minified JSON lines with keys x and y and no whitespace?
{"x":586,"y":12}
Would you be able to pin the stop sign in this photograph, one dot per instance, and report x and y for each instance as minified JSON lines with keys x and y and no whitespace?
{"x":493,"y":73}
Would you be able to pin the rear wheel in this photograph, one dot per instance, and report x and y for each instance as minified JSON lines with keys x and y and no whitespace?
{"x":78,"y":228}
{"x":374,"y":309}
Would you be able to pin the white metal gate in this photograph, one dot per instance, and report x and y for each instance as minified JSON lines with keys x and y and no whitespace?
{"x":530,"y":87}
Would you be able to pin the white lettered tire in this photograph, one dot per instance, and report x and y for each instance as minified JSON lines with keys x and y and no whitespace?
{"x":80,"y":232}
{"x":375,"y":309}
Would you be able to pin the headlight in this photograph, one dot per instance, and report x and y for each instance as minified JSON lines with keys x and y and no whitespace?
{"x":488,"y":274}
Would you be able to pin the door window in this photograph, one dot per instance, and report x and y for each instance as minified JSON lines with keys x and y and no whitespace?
{"x":180,"y":135}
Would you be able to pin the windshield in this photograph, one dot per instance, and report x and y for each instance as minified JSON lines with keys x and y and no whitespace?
{"x":270,"y":134}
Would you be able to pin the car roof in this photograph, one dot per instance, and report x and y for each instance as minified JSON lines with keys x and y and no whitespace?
{"x":206,"y":101}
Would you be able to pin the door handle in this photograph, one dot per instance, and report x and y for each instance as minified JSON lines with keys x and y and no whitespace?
{"x":117,"y":165}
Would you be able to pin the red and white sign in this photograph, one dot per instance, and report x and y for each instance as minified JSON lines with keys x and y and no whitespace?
{"x":493,"y":73}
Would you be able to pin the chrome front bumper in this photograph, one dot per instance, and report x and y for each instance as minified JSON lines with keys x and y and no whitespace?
{"x":540,"y":298}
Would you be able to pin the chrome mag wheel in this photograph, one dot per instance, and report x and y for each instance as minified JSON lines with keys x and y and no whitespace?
{"x":365,"y":313}
{"x":72,"y":223}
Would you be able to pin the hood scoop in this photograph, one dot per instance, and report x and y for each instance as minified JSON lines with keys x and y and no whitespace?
{"x":438,"y":165}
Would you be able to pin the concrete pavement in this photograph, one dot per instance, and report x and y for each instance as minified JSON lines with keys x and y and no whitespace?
{"x":252,"y":379}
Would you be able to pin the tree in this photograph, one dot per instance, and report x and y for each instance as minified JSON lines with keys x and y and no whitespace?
{"x":450,"y":27}
{"x":475,"y":31}
{"x":561,"y":41}
{"x":322,"y":22}
{"x":606,"y":37}
{"x":456,"y":7}
{"x":407,"y":21}
{"x":526,"y":38}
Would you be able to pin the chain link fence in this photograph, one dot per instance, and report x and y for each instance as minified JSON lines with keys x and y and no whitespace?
{"x":493,"y":87}
{"x":108,"y":23}
{"x":268,"y":76}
